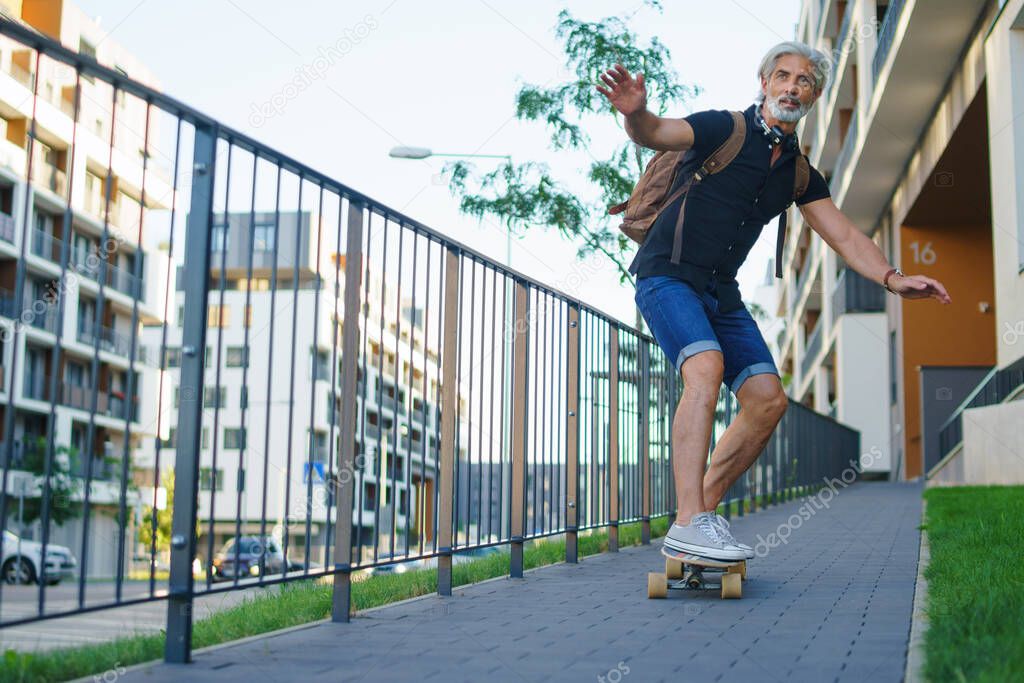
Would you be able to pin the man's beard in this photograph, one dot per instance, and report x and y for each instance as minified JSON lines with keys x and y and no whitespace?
{"x":787,"y":115}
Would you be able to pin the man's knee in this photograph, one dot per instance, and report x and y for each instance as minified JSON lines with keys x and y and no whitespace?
{"x":765,"y":399}
{"x":702,"y":376}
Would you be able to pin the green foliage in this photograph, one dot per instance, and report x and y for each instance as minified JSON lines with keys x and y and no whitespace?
{"x":64,"y":487}
{"x":163,"y":518}
{"x":525,"y":195}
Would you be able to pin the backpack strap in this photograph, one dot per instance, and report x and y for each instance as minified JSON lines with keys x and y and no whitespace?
{"x":801,"y":178}
{"x":727,"y":151}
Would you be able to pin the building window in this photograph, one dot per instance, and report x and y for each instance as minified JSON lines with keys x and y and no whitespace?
{"x":172,"y":357}
{"x":206,"y":437}
{"x":369,"y":496}
{"x":210,"y":479}
{"x":237,"y":357}
{"x":263,"y":237}
{"x":319,"y":444}
{"x":172,"y":439}
{"x":321,"y":365}
{"x":243,"y":401}
{"x":177,"y":397}
{"x":218,"y":316}
{"x":248,"y":316}
{"x":219,"y":238}
{"x":181,"y":316}
{"x":215,"y":397}
{"x":234,"y":438}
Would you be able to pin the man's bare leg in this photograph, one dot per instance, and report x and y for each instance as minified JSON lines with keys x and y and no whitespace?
{"x":691,"y":430}
{"x":762,"y":404}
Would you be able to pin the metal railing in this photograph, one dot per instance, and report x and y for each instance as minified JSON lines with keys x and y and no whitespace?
{"x":849,"y":142}
{"x":6,"y":227}
{"x":997,"y":386}
{"x":549,"y":418}
{"x":886,"y":34}
{"x":813,"y":348}
{"x":854,"y":293}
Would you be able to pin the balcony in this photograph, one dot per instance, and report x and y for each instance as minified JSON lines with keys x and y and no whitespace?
{"x":49,"y":176}
{"x":110,"y":340}
{"x":854,"y":293}
{"x":36,"y":386}
{"x":812,"y":350}
{"x":7,"y":307}
{"x":885,"y":36}
{"x":849,"y":142}
{"x":41,"y":318}
{"x":46,"y":246}
{"x":124,"y":282}
{"x":6,"y":228}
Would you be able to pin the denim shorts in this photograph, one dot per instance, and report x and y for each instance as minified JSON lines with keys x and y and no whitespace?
{"x":685,"y":322}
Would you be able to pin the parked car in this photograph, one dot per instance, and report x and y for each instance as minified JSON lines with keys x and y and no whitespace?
{"x":400,"y":565}
{"x":23,"y":561}
{"x":256,"y":555}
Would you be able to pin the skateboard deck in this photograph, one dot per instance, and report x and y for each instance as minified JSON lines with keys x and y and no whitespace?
{"x":686,"y":571}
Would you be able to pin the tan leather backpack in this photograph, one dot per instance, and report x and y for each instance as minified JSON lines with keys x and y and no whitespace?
{"x":651,"y":195}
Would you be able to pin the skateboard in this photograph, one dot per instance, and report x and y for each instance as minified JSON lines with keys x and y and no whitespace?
{"x":685,"y":571}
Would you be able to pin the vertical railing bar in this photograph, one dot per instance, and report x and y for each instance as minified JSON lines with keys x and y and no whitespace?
{"x":94,"y":366}
{"x":341,"y":598}
{"x":613,"y":438}
{"x":66,"y":231}
{"x":163,"y":351}
{"x":380,"y":457}
{"x":315,"y":364}
{"x":572,"y":435}
{"x":427,"y":432}
{"x":449,"y":418}
{"x":396,"y":441}
{"x":407,"y":469}
{"x":506,"y":441}
{"x":270,"y":352}
{"x":200,"y":391}
{"x":132,"y":346}
{"x":335,"y":393}
{"x":490,"y":429}
{"x":178,"y":642}
{"x":520,"y":411}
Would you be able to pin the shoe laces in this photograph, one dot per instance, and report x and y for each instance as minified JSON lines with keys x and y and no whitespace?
{"x":707,"y":525}
{"x":722,"y":524}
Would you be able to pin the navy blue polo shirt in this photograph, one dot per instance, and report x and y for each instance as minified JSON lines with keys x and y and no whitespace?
{"x":724,"y":212}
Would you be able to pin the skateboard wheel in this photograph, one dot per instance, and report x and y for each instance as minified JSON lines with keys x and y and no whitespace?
{"x":732,"y":585}
{"x":657,"y":585}
{"x":740,"y":569}
{"x":673,"y":569}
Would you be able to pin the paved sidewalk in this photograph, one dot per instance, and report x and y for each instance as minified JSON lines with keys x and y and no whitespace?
{"x":833,"y":603}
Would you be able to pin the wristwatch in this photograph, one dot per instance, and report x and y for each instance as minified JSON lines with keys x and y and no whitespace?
{"x":889,"y":274}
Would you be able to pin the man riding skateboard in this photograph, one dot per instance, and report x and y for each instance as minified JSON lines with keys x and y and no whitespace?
{"x":686,"y":268}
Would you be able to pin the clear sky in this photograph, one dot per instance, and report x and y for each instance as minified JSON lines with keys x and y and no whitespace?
{"x":441,"y":75}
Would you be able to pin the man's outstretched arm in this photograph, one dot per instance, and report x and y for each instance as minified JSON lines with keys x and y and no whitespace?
{"x":863,"y":255}
{"x":629,"y":96}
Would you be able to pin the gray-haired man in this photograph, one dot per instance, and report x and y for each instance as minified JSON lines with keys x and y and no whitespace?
{"x":686,"y":275}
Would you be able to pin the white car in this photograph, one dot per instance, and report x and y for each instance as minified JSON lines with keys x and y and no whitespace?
{"x":22,"y":564}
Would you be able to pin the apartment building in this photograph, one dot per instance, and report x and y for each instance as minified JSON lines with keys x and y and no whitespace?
{"x":271,"y":414}
{"x":919,"y":137}
{"x":71,"y":347}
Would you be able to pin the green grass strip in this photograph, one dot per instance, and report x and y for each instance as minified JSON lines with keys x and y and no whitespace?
{"x":975,"y":584}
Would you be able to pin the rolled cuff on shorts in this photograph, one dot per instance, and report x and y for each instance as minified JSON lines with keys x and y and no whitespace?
{"x":695,"y":348}
{"x":755,"y":369}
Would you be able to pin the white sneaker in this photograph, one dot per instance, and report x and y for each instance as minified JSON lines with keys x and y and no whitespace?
{"x":702,"y":537}
{"x":723,"y":530}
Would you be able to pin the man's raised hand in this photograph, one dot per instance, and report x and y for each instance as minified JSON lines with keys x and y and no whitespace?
{"x":625,"y":93}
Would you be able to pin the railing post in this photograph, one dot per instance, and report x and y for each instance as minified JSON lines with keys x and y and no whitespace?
{"x":572,"y":441}
{"x":449,"y":420}
{"x":178,"y":643}
{"x":644,"y":391}
{"x":341,"y":597}
{"x":613,"y":438}
{"x":520,"y":340}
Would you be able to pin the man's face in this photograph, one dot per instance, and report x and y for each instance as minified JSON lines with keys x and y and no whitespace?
{"x":789,"y":93}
